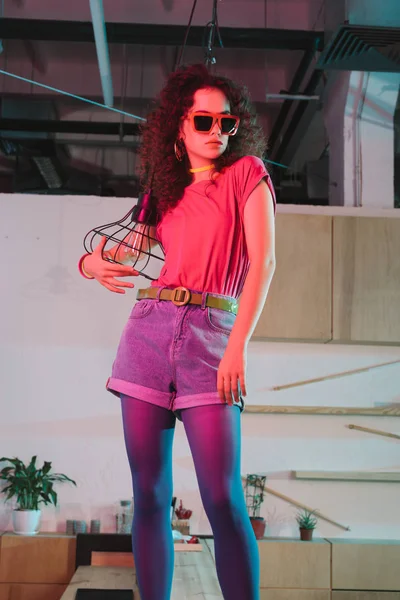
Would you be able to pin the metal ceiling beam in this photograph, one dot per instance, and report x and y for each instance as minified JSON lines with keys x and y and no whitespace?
{"x":159,"y":35}
{"x":294,"y":88}
{"x":298,"y":114}
{"x":53,"y":126}
{"x":92,"y":143}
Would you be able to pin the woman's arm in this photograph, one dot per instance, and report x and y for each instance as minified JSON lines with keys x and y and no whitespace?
{"x":259,"y":226}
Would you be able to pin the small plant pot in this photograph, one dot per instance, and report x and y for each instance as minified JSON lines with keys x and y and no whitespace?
{"x":181,"y":525}
{"x":306,"y":534}
{"x":26,"y":522}
{"x":258,"y":524}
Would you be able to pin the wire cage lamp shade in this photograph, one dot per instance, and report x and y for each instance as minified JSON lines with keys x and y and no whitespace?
{"x":254,"y":492}
{"x":131,"y":240}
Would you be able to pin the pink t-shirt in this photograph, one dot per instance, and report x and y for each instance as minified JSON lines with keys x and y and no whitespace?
{"x":203,"y":236}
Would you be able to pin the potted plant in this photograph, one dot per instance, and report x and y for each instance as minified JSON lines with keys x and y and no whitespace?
{"x":181,"y":523}
{"x":255,"y":486}
{"x":307,"y":522}
{"x":30,"y":486}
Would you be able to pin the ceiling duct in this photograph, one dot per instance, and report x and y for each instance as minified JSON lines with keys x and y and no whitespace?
{"x":356,"y":48}
{"x":43,"y":168}
{"x":41,"y":165}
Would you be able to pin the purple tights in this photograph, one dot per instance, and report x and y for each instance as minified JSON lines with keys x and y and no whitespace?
{"x":213,"y":434}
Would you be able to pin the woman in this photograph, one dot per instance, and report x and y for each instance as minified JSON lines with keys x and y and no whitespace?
{"x":183,"y":351}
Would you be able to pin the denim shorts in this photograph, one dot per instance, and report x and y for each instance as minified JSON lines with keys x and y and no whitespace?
{"x":169,"y":355}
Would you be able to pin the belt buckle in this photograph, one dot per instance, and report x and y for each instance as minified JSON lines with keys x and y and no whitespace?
{"x":177,"y":298}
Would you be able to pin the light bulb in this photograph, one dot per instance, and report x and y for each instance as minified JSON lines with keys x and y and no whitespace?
{"x":134,"y":247}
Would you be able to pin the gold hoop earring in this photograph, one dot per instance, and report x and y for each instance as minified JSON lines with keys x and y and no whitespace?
{"x":179,"y":150}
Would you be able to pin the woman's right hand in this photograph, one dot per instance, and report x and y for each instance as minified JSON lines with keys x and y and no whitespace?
{"x":106,"y":272}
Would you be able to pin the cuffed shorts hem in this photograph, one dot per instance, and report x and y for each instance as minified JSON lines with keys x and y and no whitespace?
{"x":199,"y":400}
{"x":164,"y":399}
{"x":119,"y":386}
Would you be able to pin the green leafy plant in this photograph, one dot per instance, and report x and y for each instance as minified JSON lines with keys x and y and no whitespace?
{"x":306,"y":519}
{"x":255,"y":486}
{"x":29,"y":485}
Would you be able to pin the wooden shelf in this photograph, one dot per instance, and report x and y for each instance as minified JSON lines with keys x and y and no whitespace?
{"x":348,"y":476}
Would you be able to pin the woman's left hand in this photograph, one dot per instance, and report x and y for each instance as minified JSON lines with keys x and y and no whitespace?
{"x":231,"y":379}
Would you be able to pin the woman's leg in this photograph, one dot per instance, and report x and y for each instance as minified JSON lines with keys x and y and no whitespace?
{"x":213,"y":433}
{"x":149,"y":432}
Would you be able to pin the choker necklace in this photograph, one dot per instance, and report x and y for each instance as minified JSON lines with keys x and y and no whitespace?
{"x":200,"y":169}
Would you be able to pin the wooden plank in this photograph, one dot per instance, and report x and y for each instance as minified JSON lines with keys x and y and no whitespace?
{"x":34,"y":591}
{"x":294,"y":502}
{"x":108,"y":578}
{"x":125,"y":559}
{"x":5,"y":591}
{"x":339,"y":375}
{"x":365,"y":565}
{"x":374,"y":431}
{"x":112,"y":559}
{"x":294,"y":564}
{"x":195,"y":577}
{"x":300,"y":297}
{"x":347,"y":595}
{"x":272,"y":594}
{"x":348,"y":476}
{"x":366,"y":283}
{"x":43,"y":558}
{"x":187,"y":547}
{"x":272,"y":409}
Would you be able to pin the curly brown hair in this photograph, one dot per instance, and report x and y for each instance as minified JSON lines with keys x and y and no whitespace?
{"x":159,"y":166}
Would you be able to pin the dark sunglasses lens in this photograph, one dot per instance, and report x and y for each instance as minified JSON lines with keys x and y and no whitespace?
{"x":228,"y":124}
{"x":203,"y":123}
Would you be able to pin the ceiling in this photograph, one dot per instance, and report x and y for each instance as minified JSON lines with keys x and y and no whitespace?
{"x":57,"y":138}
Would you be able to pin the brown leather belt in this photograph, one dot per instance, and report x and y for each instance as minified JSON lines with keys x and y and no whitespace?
{"x":181,"y":296}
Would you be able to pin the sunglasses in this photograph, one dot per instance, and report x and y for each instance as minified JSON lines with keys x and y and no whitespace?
{"x":203,"y":122}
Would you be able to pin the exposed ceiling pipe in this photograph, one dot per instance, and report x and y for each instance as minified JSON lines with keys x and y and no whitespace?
{"x":1,"y":16}
{"x":284,"y":96}
{"x":100,"y":38}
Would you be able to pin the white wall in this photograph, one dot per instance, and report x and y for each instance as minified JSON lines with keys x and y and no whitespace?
{"x":58,"y":336}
